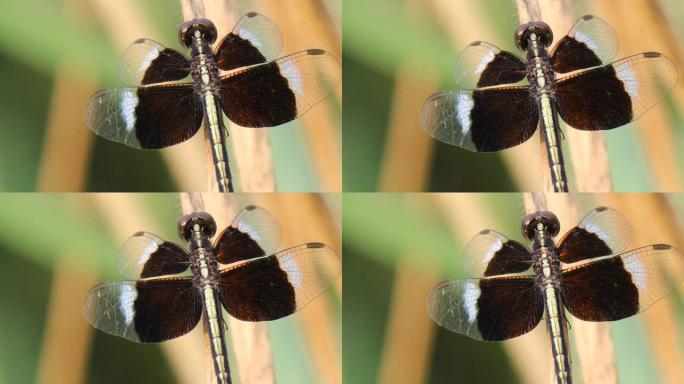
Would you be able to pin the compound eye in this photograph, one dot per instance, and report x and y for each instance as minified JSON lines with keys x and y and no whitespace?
{"x":185,"y":227}
{"x":528,"y":226}
{"x":521,"y":37}
{"x":207,"y":224}
{"x":545,"y":36}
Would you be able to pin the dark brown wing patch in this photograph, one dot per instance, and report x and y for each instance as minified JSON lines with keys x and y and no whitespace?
{"x":255,"y":39}
{"x":489,"y":253}
{"x":257,"y":291}
{"x":166,"y":115}
{"x":165,"y":309}
{"x":258,"y":97}
{"x":505,"y":68}
{"x":275,"y":286}
{"x":594,"y":100}
{"x":146,"y":255}
{"x":253,"y":233}
{"x":502,"y":118}
{"x":234,"y":245}
{"x":508,"y":307}
{"x":235,"y":52}
{"x":277,"y":92}
{"x":147,"y":62}
{"x":168,"y":259}
{"x":149,"y":117}
{"x":513,"y":257}
{"x":580,"y":244}
{"x":571,"y":55}
{"x":600,"y":291}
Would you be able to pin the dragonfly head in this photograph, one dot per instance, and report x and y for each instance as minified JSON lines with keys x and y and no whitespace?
{"x":545,"y":219}
{"x":203,"y":220}
{"x":538,"y":30}
{"x":188,"y":29}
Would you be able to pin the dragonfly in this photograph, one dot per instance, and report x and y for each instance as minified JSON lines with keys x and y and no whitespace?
{"x":258,"y":90}
{"x":589,"y":272}
{"x":496,"y":109}
{"x":241,"y":272}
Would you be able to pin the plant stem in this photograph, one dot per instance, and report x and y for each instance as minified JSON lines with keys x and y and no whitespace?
{"x":587,"y":149}
{"x":249,"y":341}
{"x":593,"y":341}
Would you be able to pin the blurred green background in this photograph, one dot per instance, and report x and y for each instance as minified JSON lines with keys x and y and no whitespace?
{"x":399,"y":246}
{"x":54,"y":247}
{"x":58,"y":52}
{"x":398,"y":52}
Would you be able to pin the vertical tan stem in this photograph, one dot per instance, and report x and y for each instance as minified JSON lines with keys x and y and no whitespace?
{"x":65,"y":345}
{"x":402,"y":139}
{"x":249,"y":341}
{"x":63,"y":167}
{"x":194,"y":202}
{"x":192,"y":9}
{"x":252,"y":151}
{"x":593,"y":341}
{"x":64,"y":163}
{"x":587,"y":149}
{"x":409,"y":336}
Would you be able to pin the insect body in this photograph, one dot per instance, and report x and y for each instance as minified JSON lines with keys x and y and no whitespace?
{"x":240,"y":272}
{"x":588,"y":272}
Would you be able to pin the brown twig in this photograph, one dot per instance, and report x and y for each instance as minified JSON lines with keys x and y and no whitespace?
{"x":64,"y":163}
{"x":251,"y":150}
{"x":66,"y":342}
{"x":406,"y":358}
{"x":587,"y":149}
{"x":593,"y":341}
{"x":65,"y":345}
{"x":193,"y":9}
{"x":63,"y":167}
{"x":249,"y":341}
{"x":408,"y":336}
{"x":402,"y":136}
{"x":193,"y":202}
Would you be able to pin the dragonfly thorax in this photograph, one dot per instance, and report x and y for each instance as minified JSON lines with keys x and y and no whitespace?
{"x":204,"y":267}
{"x":205,"y":74}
